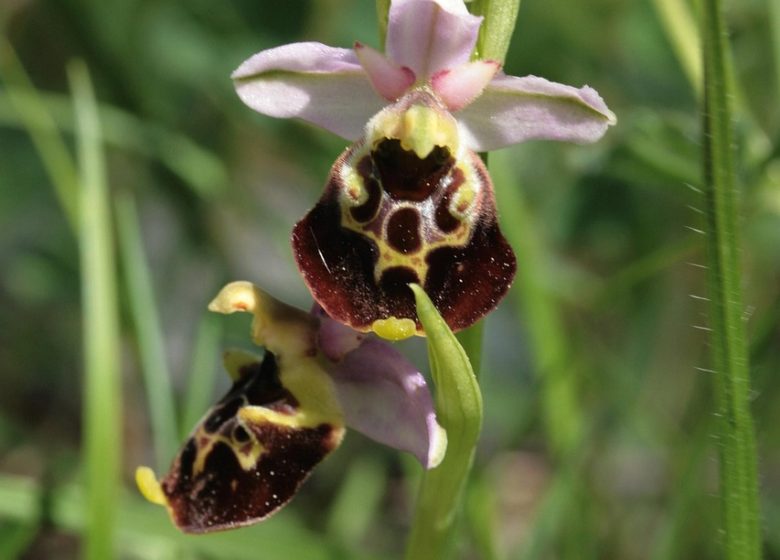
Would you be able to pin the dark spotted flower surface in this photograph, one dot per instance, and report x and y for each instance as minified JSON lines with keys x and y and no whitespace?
{"x":249,"y":455}
{"x":390,"y":217}
{"x":410,"y":201}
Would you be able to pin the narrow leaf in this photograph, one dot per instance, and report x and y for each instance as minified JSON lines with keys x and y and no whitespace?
{"x":362,"y":490}
{"x":565,"y":526}
{"x":680,"y":27}
{"x":459,"y":411}
{"x":554,"y":363}
{"x":205,"y":364}
{"x":102,"y":388}
{"x":157,"y":377}
{"x":774,"y":26}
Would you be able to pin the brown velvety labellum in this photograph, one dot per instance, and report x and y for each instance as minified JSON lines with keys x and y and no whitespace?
{"x":230,"y":473}
{"x":357,"y":261}
{"x":403,"y":230}
{"x":404,"y":176}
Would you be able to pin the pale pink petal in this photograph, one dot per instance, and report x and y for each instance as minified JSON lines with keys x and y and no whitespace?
{"x":430,"y":35}
{"x":322,"y":85}
{"x":461,"y":85}
{"x":385,"y":398}
{"x":512,"y":110}
{"x":388,"y":79}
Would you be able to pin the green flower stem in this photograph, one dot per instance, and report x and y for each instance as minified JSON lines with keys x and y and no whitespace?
{"x":459,"y":411}
{"x":738,"y":491}
{"x":497,"y":27}
{"x":458,"y":399}
{"x":102,"y":386}
{"x":382,"y":9}
{"x":157,"y":377}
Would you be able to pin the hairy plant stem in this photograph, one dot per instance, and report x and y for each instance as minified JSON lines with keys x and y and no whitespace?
{"x":738,"y":480}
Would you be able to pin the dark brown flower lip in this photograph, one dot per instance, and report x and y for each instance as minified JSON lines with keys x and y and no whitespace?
{"x":237,"y":469}
{"x":357,"y":260}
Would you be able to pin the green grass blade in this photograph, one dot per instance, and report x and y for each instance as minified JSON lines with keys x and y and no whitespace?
{"x":483,"y":516}
{"x":680,"y":26}
{"x":554,"y":363}
{"x":548,"y":341}
{"x":157,"y":377}
{"x":774,"y":27}
{"x":43,"y":131}
{"x":203,"y":370}
{"x":15,"y":538}
{"x":199,"y":168}
{"x":738,"y":492}
{"x":459,"y":411}
{"x":680,"y":512}
{"x":102,"y":387}
{"x":646,"y":267}
{"x":362,"y":490}
{"x":554,"y":511}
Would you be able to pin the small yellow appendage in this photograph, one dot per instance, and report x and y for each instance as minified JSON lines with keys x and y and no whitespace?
{"x":149,"y":487}
{"x":393,"y":328}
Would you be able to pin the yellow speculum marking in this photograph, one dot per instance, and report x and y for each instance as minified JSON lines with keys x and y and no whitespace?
{"x":460,"y":204}
{"x":262,"y":415}
{"x":246,"y":460}
{"x":419,"y":128}
{"x":462,"y":201}
{"x":355,"y":191}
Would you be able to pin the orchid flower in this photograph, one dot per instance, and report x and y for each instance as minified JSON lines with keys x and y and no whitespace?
{"x":285,"y":412}
{"x":410,"y":201}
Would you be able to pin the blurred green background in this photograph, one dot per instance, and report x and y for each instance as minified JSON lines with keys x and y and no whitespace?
{"x":598,"y":438}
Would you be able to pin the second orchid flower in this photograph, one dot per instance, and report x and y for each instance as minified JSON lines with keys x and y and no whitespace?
{"x":286,"y":412}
